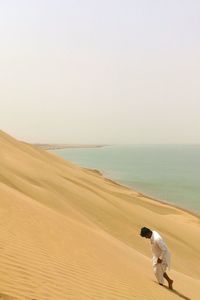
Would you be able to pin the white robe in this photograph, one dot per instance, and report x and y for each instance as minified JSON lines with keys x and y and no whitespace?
{"x":160,"y":250}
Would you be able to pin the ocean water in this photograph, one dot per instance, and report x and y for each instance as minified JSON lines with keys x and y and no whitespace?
{"x":165,"y":172}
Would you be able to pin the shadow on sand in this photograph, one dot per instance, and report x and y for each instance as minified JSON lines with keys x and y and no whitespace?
{"x":176,"y":293}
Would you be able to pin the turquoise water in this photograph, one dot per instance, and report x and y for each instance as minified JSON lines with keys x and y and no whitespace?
{"x":166,"y":172}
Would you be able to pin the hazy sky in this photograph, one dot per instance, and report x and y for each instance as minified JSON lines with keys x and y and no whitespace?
{"x":100,"y":71}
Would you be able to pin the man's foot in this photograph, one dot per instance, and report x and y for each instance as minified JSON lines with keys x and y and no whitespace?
{"x":170,"y":282}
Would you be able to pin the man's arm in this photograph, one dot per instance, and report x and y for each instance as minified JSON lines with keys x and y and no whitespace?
{"x":163,"y":249}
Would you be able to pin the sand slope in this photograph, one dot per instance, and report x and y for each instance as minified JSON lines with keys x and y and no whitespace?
{"x":68,"y":233}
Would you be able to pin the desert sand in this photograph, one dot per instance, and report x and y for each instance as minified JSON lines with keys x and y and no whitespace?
{"x":69,"y":233}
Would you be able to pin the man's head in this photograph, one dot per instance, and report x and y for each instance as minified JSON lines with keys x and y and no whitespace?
{"x":146,"y":232}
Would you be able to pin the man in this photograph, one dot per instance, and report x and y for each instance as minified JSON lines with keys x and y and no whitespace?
{"x":161,"y":256}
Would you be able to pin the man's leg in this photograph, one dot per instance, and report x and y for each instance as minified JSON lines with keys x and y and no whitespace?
{"x":169,"y":280}
{"x":159,"y":273}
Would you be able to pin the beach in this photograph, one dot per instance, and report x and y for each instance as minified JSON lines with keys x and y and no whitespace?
{"x":69,"y":233}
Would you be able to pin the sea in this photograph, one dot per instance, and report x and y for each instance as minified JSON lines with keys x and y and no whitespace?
{"x":170,"y":173}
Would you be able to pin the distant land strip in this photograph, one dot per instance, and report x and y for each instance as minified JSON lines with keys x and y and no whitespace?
{"x":65,"y":146}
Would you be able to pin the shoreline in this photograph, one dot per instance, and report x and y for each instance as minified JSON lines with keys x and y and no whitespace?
{"x":180,"y":206}
{"x":141,"y":194}
{"x":67,"y":146}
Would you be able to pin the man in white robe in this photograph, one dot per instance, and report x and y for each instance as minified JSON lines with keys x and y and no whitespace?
{"x":161,"y":256}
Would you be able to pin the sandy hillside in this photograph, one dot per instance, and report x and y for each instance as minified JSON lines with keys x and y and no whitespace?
{"x":68,"y":233}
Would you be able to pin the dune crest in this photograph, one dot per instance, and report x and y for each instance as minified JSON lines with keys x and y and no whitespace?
{"x":68,"y":233}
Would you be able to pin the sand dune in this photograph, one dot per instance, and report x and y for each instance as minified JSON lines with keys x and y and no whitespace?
{"x":69,"y":233}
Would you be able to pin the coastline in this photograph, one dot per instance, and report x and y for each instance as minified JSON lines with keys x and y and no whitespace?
{"x":105,"y":177}
{"x":141,"y":194}
{"x":173,"y":188}
{"x":67,"y":146}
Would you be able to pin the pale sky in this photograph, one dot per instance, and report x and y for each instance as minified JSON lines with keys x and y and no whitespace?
{"x":100,"y":71}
